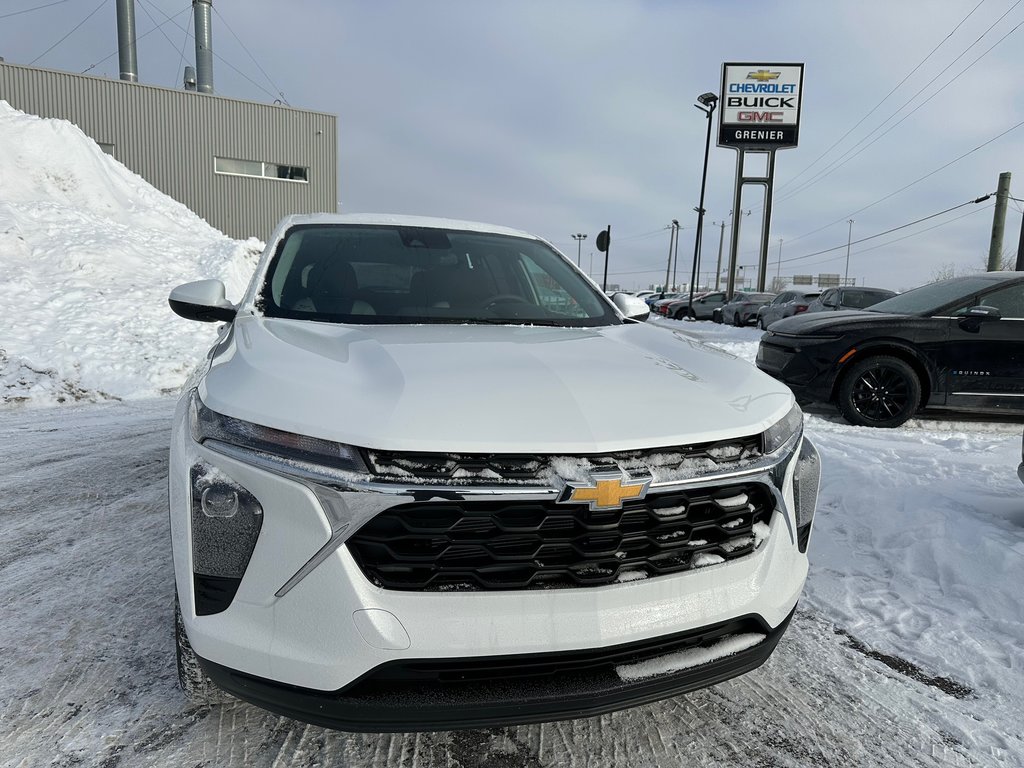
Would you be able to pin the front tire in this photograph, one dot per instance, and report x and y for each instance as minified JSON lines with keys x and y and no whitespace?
{"x":879,"y":391}
{"x":194,"y":683}
{"x":736,"y":320}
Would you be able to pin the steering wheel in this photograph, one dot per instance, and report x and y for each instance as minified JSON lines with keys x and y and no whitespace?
{"x":502,"y":298}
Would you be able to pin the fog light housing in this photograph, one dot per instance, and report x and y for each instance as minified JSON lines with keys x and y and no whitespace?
{"x":226,"y":523}
{"x":806,"y":481}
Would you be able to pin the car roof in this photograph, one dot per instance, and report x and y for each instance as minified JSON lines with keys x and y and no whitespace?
{"x":401,"y":220}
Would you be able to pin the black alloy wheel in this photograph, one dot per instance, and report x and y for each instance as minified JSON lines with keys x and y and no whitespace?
{"x":879,"y":391}
{"x":736,"y":319}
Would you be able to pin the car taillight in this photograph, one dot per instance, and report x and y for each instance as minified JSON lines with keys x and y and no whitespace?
{"x":800,"y":308}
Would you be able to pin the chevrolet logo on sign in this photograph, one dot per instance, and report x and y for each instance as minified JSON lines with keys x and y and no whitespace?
{"x":763,"y":75}
{"x":604,"y":492}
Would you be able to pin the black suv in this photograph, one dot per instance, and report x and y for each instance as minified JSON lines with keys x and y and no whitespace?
{"x":956,"y":344}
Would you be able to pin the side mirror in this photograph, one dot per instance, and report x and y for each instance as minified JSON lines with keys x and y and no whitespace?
{"x":830,"y":302}
{"x":631,"y":306}
{"x":972,"y":319}
{"x":202,"y":300}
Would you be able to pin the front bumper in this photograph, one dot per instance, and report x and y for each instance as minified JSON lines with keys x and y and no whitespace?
{"x":316,"y":646}
{"x":807,"y":367}
{"x":425,"y":695}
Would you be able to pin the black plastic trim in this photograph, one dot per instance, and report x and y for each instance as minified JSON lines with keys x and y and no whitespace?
{"x":557,"y":686}
{"x":202,"y":312}
{"x":213,"y":593}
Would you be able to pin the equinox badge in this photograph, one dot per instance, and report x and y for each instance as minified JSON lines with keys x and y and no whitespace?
{"x":607,"y":491}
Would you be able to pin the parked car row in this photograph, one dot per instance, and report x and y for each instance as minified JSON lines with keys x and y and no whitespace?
{"x":760,"y":308}
{"x":743,"y":309}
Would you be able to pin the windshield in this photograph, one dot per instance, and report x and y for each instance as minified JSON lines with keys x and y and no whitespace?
{"x":362,"y":274}
{"x":932,"y":297}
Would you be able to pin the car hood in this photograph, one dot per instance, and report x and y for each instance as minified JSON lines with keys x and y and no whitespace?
{"x":837,"y":322}
{"x":478,"y":388}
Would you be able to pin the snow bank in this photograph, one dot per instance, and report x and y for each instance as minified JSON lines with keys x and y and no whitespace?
{"x":88,"y":253}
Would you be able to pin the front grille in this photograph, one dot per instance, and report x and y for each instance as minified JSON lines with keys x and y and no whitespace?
{"x":772,"y":358}
{"x":667,"y":463}
{"x":494,"y":545}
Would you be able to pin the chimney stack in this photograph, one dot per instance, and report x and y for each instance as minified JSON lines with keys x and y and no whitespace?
{"x":126,"y":40}
{"x":204,"y":46}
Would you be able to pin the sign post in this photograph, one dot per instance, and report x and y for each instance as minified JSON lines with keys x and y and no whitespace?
{"x":604,"y":242}
{"x":759,"y":113}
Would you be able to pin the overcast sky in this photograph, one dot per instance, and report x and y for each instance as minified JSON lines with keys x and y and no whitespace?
{"x":566,"y":117}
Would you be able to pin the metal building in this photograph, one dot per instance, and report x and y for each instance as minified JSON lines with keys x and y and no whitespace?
{"x":240,"y":165}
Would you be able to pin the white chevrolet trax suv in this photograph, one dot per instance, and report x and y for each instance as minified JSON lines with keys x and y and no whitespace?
{"x":430,"y":477}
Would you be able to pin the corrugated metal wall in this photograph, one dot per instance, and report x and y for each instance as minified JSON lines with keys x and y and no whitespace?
{"x":171,"y":138}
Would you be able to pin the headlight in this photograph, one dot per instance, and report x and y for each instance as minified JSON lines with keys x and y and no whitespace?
{"x":301,"y":450}
{"x":782,"y":431}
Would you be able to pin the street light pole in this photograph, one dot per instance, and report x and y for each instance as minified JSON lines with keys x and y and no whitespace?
{"x":579,"y":237}
{"x":849,"y":238}
{"x":706,"y":104}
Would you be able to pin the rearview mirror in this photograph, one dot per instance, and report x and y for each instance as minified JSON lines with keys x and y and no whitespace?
{"x":202,"y":300}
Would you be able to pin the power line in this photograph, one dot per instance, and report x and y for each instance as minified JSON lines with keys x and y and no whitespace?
{"x":184,"y":42}
{"x":170,"y":42}
{"x":911,"y":184}
{"x":886,"y":232}
{"x":69,"y":34}
{"x":170,"y":19}
{"x":886,"y":97}
{"x":29,"y":10}
{"x":269,"y":80}
{"x":847,"y":156}
{"x":982,"y":209}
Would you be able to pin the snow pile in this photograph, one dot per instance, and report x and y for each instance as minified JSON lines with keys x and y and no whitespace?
{"x":88,"y":253}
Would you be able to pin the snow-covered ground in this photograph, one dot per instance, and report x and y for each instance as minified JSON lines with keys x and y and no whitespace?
{"x":906,"y":650}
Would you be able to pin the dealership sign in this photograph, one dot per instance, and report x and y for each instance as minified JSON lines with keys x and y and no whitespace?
{"x":760,"y":105}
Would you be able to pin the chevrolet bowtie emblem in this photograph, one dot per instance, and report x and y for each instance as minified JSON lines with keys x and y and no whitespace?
{"x":604,"y":492}
{"x":763,"y":75}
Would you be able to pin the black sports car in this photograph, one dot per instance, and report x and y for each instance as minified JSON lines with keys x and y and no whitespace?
{"x":956,"y":344}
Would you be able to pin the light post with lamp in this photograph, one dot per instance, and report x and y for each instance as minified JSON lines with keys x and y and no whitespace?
{"x":706,"y":104}
{"x":579,"y":237}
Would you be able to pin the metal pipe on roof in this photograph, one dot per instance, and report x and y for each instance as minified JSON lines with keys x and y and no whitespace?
{"x":126,"y":41}
{"x":204,"y":45}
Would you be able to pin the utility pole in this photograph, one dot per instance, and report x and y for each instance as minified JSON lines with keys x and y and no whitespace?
{"x":849,"y":239}
{"x":778,"y":267}
{"x":675,"y":254}
{"x":995,"y":249}
{"x":721,"y":240}
{"x":673,"y":234}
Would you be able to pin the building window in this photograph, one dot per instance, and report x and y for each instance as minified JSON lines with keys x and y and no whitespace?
{"x":108,"y":148}
{"x":234,"y":167}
